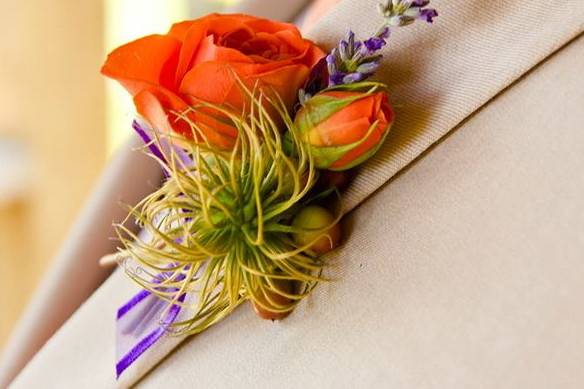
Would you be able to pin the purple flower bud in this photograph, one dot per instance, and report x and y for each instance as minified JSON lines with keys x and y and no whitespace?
{"x":353,"y":77}
{"x":428,"y":15}
{"x":420,"y":3}
{"x":384,"y":33}
{"x":332,"y":69}
{"x":363,"y":52}
{"x":368,"y":68}
{"x":344,"y":50}
{"x":330,"y":59}
{"x":331,"y":64}
{"x":351,"y":37}
{"x":374,"y":44}
{"x":336,"y":78}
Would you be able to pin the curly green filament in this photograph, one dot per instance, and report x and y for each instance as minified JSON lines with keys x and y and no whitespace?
{"x":221,"y":230}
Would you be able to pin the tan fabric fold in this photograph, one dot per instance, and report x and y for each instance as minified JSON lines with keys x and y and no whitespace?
{"x":438,"y":76}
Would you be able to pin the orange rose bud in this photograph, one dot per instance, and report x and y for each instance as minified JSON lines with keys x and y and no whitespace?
{"x":344,"y":128}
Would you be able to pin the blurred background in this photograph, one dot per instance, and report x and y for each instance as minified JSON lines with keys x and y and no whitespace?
{"x":60,"y":120}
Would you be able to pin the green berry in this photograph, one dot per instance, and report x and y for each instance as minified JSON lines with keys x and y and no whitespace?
{"x":313,"y":222}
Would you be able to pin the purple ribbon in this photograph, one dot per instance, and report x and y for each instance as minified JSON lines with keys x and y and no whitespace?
{"x":145,"y":318}
{"x":167,"y":147}
{"x":140,"y":323}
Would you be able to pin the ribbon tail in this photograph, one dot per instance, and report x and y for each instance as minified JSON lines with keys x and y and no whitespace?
{"x":140,"y":323}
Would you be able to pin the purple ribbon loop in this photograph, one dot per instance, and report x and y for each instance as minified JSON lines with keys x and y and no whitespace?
{"x":146,"y":318}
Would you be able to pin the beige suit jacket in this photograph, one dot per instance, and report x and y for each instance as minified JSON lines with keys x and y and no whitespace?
{"x":465,"y":270}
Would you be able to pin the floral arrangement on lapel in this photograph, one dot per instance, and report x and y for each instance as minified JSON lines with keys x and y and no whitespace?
{"x":258,"y":132}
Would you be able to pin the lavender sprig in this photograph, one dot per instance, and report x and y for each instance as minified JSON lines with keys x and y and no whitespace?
{"x":353,"y":61}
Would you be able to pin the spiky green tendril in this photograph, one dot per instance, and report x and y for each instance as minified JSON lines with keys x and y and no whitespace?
{"x":221,"y":231}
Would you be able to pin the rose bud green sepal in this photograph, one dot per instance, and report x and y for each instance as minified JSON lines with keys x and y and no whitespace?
{"x":344,"y":126}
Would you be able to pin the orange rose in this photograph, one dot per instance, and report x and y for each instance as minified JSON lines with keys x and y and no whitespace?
{"x":196,"y":61}
{"x":344,"y":128}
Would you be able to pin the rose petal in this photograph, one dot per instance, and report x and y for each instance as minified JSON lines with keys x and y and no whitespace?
{"x":209,"y":51}
{"x":270,"y":26}
{"x":364,"y":107}
{"x":341,"y":133}
{"x":157,"y":107}
{"x":154,"y":105}
{"x":190,"y":45}
{"x":213,"y":82}
{"x":147,"y":61}
{"x":285,"y":81}
{"x":368,"y":144}
{"x":217,"y":83}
